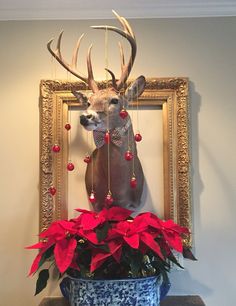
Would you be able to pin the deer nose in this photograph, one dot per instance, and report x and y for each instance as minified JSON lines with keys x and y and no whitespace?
{"x":83,"y":120}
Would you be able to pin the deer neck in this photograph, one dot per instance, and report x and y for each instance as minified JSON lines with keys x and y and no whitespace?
{"x":116,"y":154}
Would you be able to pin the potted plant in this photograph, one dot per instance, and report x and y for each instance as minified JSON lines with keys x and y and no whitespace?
{"x":109,"y":257}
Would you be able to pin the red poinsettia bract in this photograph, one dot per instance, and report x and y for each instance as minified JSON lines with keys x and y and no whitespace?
{"x":105,"y":235}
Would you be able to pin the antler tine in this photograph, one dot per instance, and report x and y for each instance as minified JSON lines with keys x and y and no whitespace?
{"x":113,"y":78}
{"x":92,"y":84}
{"x":125,"y":23}
{"x":129,"y":35}
{"x":75,"y":54}
{"x":72,"y":68}
{"x":127,"y":27}
{"x":122,"y":57}
{"x":59,"y":44}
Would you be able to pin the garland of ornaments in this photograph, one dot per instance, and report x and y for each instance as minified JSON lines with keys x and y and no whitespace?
{"x":56,"y":148}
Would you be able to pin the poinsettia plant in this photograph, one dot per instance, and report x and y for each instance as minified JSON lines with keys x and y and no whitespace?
{"x":108,"y":244}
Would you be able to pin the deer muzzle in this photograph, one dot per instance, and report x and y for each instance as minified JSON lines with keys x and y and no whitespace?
{"x":90,"y":120}
{"x":84,"y":120}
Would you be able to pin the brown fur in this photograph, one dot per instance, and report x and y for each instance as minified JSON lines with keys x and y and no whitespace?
{"x":121,"y":170}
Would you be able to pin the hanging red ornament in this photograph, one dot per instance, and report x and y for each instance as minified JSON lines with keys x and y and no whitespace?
{"x":133,"y":182}
{"x":92,"y":198}
{"x":52,"y":190}
{"x":123,"y":113}
{"x":87,"y":159}
{"x":70,"y":166}
{"x":109,"y":199}
{"x":107,"y":137}
{"x":56,"y":148}
{"x":128,"y":155}
{"x":67,"y":126}
{"x":138,"y":137}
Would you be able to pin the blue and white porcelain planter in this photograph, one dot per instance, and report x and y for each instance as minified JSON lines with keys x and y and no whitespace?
{"x":120,"y":292}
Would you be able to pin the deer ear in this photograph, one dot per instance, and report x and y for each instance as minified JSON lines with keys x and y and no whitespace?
{"x":135,"y":89}
{"x":80,"y":97}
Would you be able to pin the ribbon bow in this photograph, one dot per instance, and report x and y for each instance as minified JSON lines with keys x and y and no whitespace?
{"x":116,"y":135}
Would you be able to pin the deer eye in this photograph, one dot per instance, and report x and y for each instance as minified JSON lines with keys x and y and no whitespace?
{"x":88,"y":104}
{"x":114,"y":101}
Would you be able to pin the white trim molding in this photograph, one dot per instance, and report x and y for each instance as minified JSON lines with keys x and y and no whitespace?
{"x":101,"y":9}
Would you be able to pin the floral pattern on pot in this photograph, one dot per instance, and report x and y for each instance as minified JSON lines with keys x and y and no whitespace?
{"x":120,"y":292}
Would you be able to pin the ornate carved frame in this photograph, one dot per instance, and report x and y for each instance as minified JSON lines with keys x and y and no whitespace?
{"x":169,"y":93}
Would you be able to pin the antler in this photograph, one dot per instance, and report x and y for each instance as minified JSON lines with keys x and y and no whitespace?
{"x":72,"y":67}
{"x":129,"y":35}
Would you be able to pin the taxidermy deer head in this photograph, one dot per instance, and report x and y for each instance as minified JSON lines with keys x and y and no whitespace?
{"x":115,"y":176}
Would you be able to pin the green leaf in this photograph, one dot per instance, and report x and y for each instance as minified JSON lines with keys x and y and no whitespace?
{"x":85,"y":272}
{"x":134,"y":259}
{"x":172,"y":258}
{"x":187,"y":253}
{"x":42,"y":281}
{"x":135,"y":267}
{"x":103,"y":247}
{"x":46,"y":255}
{"x":165,"y":277}
{"x":102,"y":231}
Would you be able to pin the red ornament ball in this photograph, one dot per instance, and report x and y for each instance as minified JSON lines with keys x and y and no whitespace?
{"x":92,"y":198}
{"x":56,"y":148}
{"x":133,"y":182}
{"x":138,"y":137}
{"x":107,"y":137}
{"x":128,"y":155}
{"x":70,"y":166}
{"x":67,"y":126}
{"x":87,"y":159}
{"x":109,"y":200}
{"x":123,"y":113}
{"x":52,"y":190}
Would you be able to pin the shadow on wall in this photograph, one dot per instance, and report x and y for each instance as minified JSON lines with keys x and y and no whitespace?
{"x":221,"y":174}
{"x":196,"y":183}
{"x":184,"y":284}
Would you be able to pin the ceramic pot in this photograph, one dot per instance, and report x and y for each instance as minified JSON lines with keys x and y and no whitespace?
{"x":119,"y":292}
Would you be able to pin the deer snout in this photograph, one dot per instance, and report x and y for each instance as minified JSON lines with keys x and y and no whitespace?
{"x":90,"y":120}
{"x":84,"y":119}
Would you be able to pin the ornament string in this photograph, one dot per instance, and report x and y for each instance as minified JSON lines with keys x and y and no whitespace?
{"x":136,"y":123}
{"x":92,"y":164}
{"x":90,"y":145}
{"x":108,"y":119}
{"x":133,"y":142}
{"x":55,"y":157}
{"x":55,"y":146}
{"x":68,"y":76}
{"x":133,"y":149}
{"x":70,"y":165}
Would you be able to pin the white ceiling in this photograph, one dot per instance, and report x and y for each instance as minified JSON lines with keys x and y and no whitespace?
{"x":97,"y":9}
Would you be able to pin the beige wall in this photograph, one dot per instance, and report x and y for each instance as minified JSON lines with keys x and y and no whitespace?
{"x":203,"y":50}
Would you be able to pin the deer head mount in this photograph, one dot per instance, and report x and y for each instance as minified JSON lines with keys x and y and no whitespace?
{"x":102,"y":115}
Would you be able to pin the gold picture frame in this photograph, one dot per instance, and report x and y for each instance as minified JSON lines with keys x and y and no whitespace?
{"x":169,"y":93}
